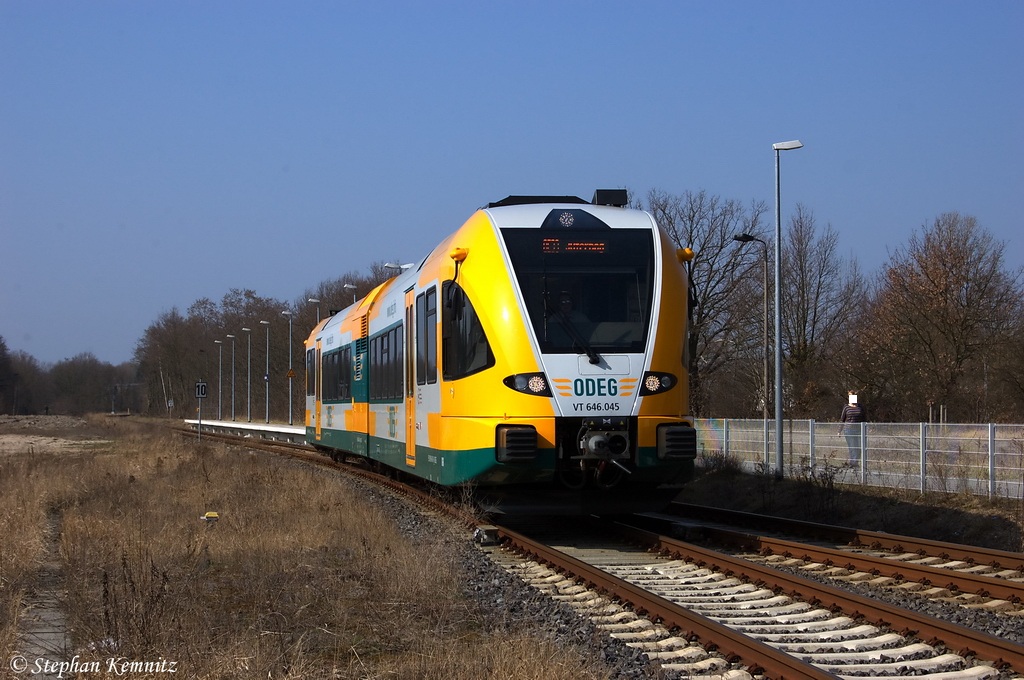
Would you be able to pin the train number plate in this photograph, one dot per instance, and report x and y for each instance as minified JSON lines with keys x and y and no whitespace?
{"x":595,"y":406}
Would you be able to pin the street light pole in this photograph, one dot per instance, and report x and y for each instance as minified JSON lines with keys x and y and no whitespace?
{"x":248,"y":375}
{"x":351,"y":287}
{"x":232,"y":377}
{"x":220,"y":373}
{"x":266,"y":375}
{"x":765,"y":351}
{"x":291,"y":374}
{"x":317,"y":301}
{"x":779,"y":147}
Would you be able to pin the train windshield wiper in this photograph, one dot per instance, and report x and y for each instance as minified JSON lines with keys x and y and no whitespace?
{"x":577,"y":339}
{"x":574,"y":333}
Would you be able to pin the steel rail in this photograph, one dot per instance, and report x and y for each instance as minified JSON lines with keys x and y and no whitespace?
{"x":762,"y":658}
{"x":965,"y":641}
{"x":951,"y":579}
{"x":1002,"y":559}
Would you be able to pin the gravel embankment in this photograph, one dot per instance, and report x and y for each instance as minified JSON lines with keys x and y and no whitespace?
{"x":512,"y":605}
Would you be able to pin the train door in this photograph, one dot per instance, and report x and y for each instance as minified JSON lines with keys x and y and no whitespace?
{"x":359,"y":419}
{"x":318,"y":380}
{"x":410,"y":378}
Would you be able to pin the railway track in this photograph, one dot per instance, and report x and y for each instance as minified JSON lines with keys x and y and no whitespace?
{"x":775,"y":623}
{"x":701,"y":612}
{"x":969,"y":575}
{"x":979,"y":557}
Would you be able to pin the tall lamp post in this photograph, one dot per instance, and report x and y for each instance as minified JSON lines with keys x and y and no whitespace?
{"x":232,"y":376}
{"x":248,"y":375}
{"x":779,"y":147}
{"x":351,"y":287}
{"x":220,"y":373}
{"x":266,"y":375}
{"x":291,"y":373}
{"x":317,"y":302}
{"x":765,"y":351}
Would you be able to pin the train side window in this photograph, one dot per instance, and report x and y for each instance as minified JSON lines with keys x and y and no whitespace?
{"x":431,"y":339}
{"x":325,"y":375}
{"x":465,"y":346}
{"x":426,"y":337}
{"x":310,"y":372}
{"x":331,"y":376}
{"x":386,"y":362}
{"x":421,"y":339}
{"x":331,"y":379}
{"x":345,"y":374}
{"x":395,"y":364}
{"x":374,"y":363}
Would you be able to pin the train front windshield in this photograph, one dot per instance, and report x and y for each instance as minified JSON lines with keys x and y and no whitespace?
{"x":586,"y":291}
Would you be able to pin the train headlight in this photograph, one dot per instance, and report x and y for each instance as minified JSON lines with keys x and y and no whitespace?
{"x":656,"y":383}
{"x":529,"y":383}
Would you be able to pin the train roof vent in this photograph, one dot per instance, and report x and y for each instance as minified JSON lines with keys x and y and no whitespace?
{"x":528,"y":200}
{"x":617,"y":198}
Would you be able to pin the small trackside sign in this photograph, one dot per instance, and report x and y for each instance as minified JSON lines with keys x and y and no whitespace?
{"x":200,"y":390}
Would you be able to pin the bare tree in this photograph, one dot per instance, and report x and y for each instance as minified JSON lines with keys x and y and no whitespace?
{"x":83,"y":384}
{"x":1003,"y":387}
{"x":944,"y":315}
{"x":382,"y":271}
{"x":337,"y":294}
{"x":33,"y":387}
{"x":165,"y":355}
{"x":177,"y":351}
{"x":822,"y":296}
{"x":707,"y":224}
{"x":8,"y":381}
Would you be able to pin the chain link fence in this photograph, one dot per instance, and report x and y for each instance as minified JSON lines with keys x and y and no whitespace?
{"x":979,"y":459}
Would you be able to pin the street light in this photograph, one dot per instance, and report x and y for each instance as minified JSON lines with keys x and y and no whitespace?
{"x":291,"y":373}
{"x":351,"y":287}
{"x":747,"y":238}
{"x":248,"y":375}
{"x":232,"y":376}
{"x":779,"y":148}
{"x":317,"y":301}
{"x":220,"y":372}
{"x":266,"y":375}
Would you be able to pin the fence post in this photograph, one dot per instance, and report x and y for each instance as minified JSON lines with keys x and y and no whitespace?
{"x":863,"y":452}
{"x":991,"y":460}
{"x":810,"y":443}
{"x":767,"y":448}
{"x":924,"y":457}
{"x":725,"y":437}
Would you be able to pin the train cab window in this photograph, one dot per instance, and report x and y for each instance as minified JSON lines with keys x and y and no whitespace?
{"x":465,"y":347}
{"x":586,"y":291}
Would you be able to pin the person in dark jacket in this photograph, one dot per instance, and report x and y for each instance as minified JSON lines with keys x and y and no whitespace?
{"x":850,"y":425}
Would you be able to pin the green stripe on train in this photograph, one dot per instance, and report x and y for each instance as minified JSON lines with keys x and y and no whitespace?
{"x":445,"y":467}
{"x":448,"y":468}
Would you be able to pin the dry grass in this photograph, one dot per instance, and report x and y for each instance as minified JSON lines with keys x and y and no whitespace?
{"x":299,"y":577}
{"x":23,"y":490}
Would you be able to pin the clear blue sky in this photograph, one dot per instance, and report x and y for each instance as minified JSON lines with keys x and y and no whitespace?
{"x":152,"y":153}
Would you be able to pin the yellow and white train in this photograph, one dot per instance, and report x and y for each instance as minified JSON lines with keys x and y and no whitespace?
{"x":541,"y":343}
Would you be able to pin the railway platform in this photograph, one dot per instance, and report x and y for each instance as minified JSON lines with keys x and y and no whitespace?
{"x":295,"y":434}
